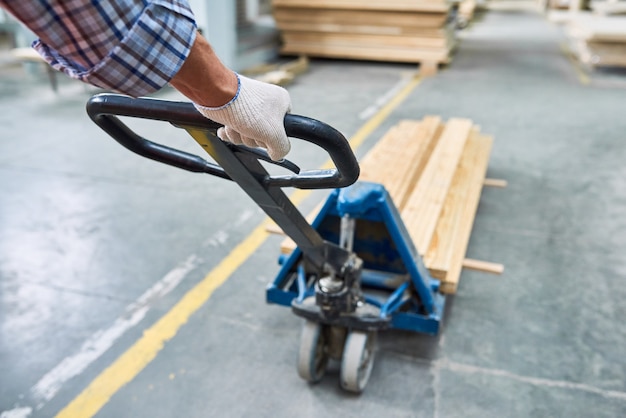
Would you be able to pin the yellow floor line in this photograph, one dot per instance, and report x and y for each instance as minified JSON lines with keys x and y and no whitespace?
{"x":141,"y":353}
{"x":582,"y":76}
{"x":129,"y":364}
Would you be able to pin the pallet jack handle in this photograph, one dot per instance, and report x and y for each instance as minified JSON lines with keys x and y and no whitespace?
{"x":240,"y":164}
{"x":104,"y":109}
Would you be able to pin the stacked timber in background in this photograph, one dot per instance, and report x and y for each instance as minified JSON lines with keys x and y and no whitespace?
{"x":599,"y":40}
{"x":608,"y":7}
{"x":413,"y":31}
{"x":434,"y":173}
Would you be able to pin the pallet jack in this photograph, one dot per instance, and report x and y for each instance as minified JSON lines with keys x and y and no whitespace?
{"x":355,"y":270}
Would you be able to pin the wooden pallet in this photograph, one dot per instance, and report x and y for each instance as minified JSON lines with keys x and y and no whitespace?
{"x":601,"y":53}
{"x":599,"y":40}
{"x":435,"y":173}
{"x":599,"y":28}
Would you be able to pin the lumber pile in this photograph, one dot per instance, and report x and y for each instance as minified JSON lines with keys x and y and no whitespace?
{"x":608,"y":7}
{"x":599,"y":40}
{"x":413,"y":31}
{"x":434,"y":172}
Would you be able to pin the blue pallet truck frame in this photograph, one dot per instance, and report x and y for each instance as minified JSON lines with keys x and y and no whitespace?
{"x":355,"y":270}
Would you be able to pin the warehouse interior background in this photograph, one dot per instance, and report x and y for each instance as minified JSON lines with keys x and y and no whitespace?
{"x":131,"y":288}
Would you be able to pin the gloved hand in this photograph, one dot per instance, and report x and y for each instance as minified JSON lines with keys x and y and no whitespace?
{"x":254,"y":117}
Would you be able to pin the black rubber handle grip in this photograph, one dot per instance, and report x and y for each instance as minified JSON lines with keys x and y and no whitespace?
{"x":103,"y":109}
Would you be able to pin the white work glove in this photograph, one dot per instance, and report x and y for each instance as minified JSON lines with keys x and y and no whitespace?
{"x":254,"y":117}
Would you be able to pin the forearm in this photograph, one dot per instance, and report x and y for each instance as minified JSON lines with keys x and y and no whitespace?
{"x":203,"y":78}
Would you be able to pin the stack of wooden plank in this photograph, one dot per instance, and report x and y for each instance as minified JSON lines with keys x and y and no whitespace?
{"x":435,"y":173}
{"x":608,"y":7}
{"x":390,"y":30}
{"x":599,"y":40}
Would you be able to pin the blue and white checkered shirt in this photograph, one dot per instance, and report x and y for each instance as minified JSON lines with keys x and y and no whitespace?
{"x":131,"y":46}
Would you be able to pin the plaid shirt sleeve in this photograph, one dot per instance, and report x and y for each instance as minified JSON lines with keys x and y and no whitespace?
{"x":131,"y":46}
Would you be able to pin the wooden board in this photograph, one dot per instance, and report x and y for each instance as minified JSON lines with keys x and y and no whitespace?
{"x":484,"y":266}
{"x":399,"y":158}
{"x":396,"y":5}
{"x":448,"y":246}
{"x":426,"y":202}
{"x":605,"y":53}
{"x":405,"y":148}
{"x":352,"y":40}
{"x":612,"y":48}
{"x":601,"y":54}
{"x":495,"y":183}
{"x":411,"y":55}
{"x":338,"y":20}
{"x":417,"y":31}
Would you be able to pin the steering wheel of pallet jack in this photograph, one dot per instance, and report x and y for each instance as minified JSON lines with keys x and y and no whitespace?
{"x":357,"y":360}
{"x":313,"y":356}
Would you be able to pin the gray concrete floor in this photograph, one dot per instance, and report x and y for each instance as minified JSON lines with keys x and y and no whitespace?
{"x":87,"y":228}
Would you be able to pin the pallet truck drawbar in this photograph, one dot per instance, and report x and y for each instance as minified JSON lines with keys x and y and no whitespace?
{"x":355,"y":270}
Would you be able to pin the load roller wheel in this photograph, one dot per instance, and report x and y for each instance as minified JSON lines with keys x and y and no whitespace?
{"x":313,"y":354}
{"x":357,"y":360}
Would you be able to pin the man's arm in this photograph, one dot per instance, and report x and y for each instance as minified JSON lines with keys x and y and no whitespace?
{"x":136,"y":48}
{"x":128,"y":46}
{"x":203,"y":79}
{"x":252,"y":112}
